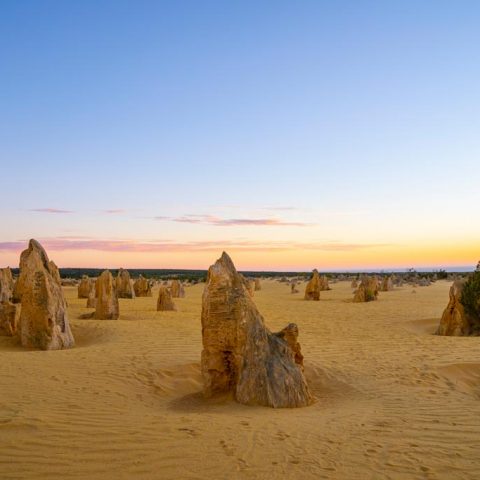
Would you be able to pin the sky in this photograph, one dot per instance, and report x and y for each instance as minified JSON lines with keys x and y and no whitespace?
{"x":336,"y":135}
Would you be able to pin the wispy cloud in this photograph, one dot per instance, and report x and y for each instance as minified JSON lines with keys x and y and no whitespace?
{"x":115,"y":211}
{"x":232,"y":222}
{"x":50,"y":210}
{"x":280,"y":208}
{"x":116,"y":245}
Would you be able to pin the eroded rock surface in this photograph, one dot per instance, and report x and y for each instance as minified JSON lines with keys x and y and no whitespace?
{"x":240,"y":355}
{"x":85,"y":286}
{"x":124,"y":284}
{"x":387,"y":284}
{"x":324,"y":286}
{"x":165,"y":302}
{"x":455,"y":321}
{"x":312,"y":290}
{"x":177,"y":289}
{"x":142,"y":287}
{"x":367,"y":291}
{"x":107,"y":307}
{"x":8,"y":318}
{"x":6,"y":284}
{"x":43,"y":321}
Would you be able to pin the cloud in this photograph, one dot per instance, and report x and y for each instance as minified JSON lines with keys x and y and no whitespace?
{"x":114,"y":211}
{"x":280,"y":208}
{"x":50,"y":210}
{"x":158,"y":246}
{"x":232,"y":222}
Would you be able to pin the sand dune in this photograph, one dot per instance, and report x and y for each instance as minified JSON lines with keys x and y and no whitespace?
{"x":393,"y":401}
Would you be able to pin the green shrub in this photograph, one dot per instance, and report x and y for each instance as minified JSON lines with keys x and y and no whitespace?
{"x":471,"y":294}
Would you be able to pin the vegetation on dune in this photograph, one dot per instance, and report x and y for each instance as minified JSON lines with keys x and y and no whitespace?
{"x":471,"y":294}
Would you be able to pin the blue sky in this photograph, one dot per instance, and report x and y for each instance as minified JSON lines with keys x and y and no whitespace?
{"x":295,"y":134}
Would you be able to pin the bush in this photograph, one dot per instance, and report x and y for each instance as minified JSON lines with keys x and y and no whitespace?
{"x":471,"y":294}
{"x":442,"y":274}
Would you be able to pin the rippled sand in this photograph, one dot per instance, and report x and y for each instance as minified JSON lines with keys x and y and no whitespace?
{"x":393,"y":401}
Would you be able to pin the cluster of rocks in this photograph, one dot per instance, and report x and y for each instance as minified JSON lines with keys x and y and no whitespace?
{"x":103,"y":294}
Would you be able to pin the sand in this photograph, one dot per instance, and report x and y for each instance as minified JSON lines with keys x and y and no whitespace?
{"x":393,"y":401}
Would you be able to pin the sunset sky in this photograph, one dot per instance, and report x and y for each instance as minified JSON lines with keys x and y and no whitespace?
{"x":292,"y":134}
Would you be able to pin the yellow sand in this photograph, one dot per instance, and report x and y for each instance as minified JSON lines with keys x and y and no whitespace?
{"x":394,"y":401}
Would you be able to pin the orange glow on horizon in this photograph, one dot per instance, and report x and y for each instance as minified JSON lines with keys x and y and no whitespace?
{"x":293,"y":259}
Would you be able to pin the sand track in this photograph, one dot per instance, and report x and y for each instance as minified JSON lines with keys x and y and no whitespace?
{"x":393,"y":401}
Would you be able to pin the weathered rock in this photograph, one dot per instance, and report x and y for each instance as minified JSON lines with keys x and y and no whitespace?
{"x":354,"y":284}
{"x":290,"y":335}
{"x":387,"y":284}
{"x":165,"y":302}
{"x":85,"y":286}
{"x":240,"y":355}
{"x":8,"y":318}
{"x":107,"y":301}
{"x":176,"y":289}
{"x":55,"y":272}
{"x":92,"y":298}
{"x":367,"y":291}
{"x":455,"y":321}
{"x":43,"y":321}
{"x":324,"y":286}
{"x":312,"y":290}
{"x":249,"y":285}
{"x":6,"y":284}
{"x":293,"y":287}
{"x":258,"y":285}
{"x":124,"y":285}
{"x":142,"y":287}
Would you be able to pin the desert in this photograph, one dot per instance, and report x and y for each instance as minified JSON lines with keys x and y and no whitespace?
{"x":239,"y":240}
{"x":392,"y":400}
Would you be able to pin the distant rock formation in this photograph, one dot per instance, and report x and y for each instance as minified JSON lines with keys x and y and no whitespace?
{"x":240,"y":355}
{"x":258,"y":285}
{"x":387,"y":284}
{"x":142,"y":287}
{"x":43,"y":321}
{"x":6,"y":284}
{"x":177,"y":289}
{"x":92,"y":299}
{"x":455,"y":321}
{"x":124,"y":285}
{"x":367,"y":291}
{"x":8,"y":318}
{"x":293,"y":287}
{"x":312,"y":290}
{"x":354,"y":284}
{"x":324,"y":286}
{"x":107,"y":301}
{"x":85,"y":287}
{"x":165,"y":302}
